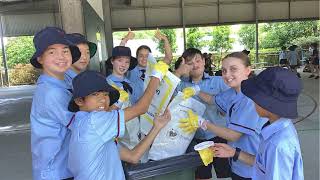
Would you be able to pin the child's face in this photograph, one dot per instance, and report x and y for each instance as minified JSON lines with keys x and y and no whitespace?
{"x":97,"y":101}
{"x":234,"y":72}
{"x":143,"y":57}
{"x":198,"y":66}
{"x":56,"y":60}
{"x":120,"y":65}
{"x":83,"y":62}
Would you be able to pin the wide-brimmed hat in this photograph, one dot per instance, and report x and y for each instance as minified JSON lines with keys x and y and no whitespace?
{"x":50,"y":36}
{"x":275,"y":89}
{"x":88,"y":82}
{"x":122,"y":51}
{"x":77,"y":38}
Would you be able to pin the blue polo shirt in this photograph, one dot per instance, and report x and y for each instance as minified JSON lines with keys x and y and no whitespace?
{"x":210,"y":85}
{"x":242,"y":117}
{"x":138,"y":89}
{"x":93,"y":153}
{"x":112,"y":79}
{"x":68,"y":76}
{"x":49,"y":136}
{"x":279,"y":155}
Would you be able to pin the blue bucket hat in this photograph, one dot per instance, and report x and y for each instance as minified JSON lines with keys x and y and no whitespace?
{"x":122,"y":51}
{"x":275,"y":89}
{"x":47,"y":37}
{"x":77,"y":38}
{"x":88,"y":82}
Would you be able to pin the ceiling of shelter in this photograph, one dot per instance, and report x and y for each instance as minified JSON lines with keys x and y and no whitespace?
{"x":21,"y":17}
{"x":143,"y":14}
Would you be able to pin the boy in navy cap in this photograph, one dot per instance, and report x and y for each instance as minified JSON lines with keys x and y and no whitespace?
{"x":88,"y":50}
{"x":49,"y":113}
{"x":275,"y":93}
{"x":93,"y":154}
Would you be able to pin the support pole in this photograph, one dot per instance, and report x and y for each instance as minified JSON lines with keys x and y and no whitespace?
{"x":183,"y":25}
{"x":4,"y":57}
{"x":257,"y":32}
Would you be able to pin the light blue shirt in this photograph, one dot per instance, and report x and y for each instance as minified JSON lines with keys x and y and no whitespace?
{"x":68,"y":76}
{"x":242,"y":118}
{"x":112,"y":79}
{"x":138,"y":89}
{"x":279,"y":156}
{"x":210,"y":85}
{"x":93,"y":153}
{"x":49,"y":136}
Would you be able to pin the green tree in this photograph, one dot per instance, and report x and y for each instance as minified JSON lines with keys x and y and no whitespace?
{"x":19,"y":50}
{"x":247,"y":35}
{"x":281,"y":34}
{"x":172,"y":37}
{"x":221,"y":41}
{"x":194,"y":38}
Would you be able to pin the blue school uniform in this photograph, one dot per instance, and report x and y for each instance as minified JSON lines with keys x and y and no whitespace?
{"x":93,"y":153}
{"x":49,"y":134}
{"x":210,"y":85}
{"x":68,"y":76}
{"x":112,"y":79}
{"x":279,"y":155}
{"x":242,"y":117}
{"x":136,"y":75}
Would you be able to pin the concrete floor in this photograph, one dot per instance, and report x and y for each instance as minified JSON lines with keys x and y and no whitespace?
{"x":15,"y":159}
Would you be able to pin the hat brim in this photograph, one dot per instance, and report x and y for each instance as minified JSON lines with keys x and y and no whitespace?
{"x":113,"y":96}
{"x":75,"y":53}
{"x":133,"y":63}
{"x":250,"y":88}
{"x":92,"y":48}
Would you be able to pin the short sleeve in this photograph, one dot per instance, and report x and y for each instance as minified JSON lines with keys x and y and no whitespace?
{"x":223,"y":100}
{"x":244,"y":117}
{"x":108,"y":125}
{"x":56,"y":106}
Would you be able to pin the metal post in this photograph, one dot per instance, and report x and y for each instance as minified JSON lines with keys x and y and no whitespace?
{"x":4,"y":57}
{"x":257,"y":32}
{"x":183,"y":25}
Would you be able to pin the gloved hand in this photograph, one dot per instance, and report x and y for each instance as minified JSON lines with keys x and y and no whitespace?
{"x":190,"y":91}
{"x":124,"y":96}
{"x":160,"y":69}
{"x":192,"y":123}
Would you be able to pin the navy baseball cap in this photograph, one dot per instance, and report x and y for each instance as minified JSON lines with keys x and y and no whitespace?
{"x":122,"y":51}
{"x":275,"y":89}
{"x":50,"y":36}
{"x":88,"y":82}
{"x":77,"y":38}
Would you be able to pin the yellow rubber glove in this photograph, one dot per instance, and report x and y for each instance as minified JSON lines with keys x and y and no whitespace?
{"x":192,"y":123}
{"x":190,"y":91}
{"x":124,"y":96}
{"x":160,"y":69}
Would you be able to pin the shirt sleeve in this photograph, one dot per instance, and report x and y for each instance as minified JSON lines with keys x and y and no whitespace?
{"x":109,"y":125}
{"x":222,"y":101}
{"x":280,"y":164}
{"x":56,"y":103}
{"x":244,"y":117}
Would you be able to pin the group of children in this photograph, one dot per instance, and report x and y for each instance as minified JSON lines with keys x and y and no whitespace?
{"x":83,"y":123}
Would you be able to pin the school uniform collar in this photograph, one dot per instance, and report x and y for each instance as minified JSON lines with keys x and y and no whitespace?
{"x":71,"y":73}
{"x":44,"y":78}
{"x":274,"y":127}
{"x":204,"y":77}
{"x":118,"y":79}
{"x":141,"y":68}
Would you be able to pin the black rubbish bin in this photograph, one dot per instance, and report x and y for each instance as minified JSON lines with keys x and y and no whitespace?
{"x":174,"y":168}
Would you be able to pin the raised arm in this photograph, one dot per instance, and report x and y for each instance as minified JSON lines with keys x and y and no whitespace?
{"x":167,"y":48}
{"x":128,"y":37}
{"x":134,"y":155}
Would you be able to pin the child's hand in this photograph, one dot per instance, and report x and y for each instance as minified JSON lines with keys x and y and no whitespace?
{"x":130,"y":35}
{"x":223,"y":150}
{"x":184,"y":69}
{"x":159,"y":35}
{"x":161,"y":121}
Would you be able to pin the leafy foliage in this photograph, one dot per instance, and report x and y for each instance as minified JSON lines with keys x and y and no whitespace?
{"x":247,"y":35}
{"x":19,"y":50}
{"x":23,"y":74}
{"x":221,"y":41}
{"x":194,"y":38}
